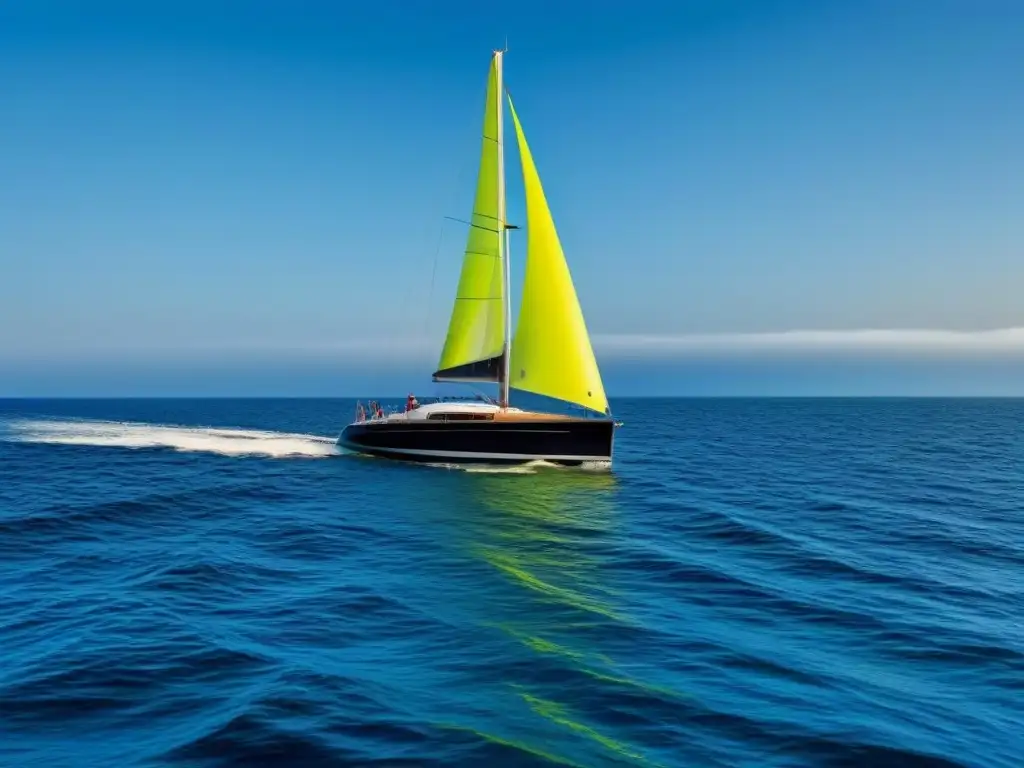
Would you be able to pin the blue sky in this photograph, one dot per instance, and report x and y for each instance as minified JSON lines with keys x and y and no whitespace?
{"x":221,"y":197}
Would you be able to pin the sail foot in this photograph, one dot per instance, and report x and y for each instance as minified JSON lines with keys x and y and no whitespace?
{"x":487,"y":370}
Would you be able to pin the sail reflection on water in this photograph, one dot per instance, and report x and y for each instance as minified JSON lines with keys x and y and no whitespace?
{"x":548,"y":540}
{"x":540,"y":535}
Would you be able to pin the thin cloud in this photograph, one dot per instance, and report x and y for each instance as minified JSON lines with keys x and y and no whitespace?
{"x":419,"y":349}
{"x":868,"y":340}
{"x":998,"y":340}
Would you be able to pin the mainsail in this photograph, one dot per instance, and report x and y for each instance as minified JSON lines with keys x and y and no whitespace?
{"x":476,"y":332}
{"x":551,"y":351}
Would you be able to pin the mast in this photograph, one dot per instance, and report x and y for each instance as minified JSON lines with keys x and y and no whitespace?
{"x":503,"y":233}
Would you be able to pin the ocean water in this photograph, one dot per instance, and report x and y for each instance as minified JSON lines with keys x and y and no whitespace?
{"x":754,"y":583}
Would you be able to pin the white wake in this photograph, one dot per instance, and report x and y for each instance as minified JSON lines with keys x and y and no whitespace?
{"x":529,"y":468}
{"x":227,"y":442}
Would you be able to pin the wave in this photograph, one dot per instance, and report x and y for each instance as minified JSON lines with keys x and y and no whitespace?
{"x":227,"y":442}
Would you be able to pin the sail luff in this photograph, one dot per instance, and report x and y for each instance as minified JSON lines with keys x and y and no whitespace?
{"x":475,"y":342}
{"x":551,"y":354}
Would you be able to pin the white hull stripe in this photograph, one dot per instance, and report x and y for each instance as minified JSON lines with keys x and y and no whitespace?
{"x":472,"y":454}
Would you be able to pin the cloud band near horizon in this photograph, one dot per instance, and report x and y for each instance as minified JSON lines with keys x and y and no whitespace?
{"x":864,"y":340}
{"x":999,"y":342}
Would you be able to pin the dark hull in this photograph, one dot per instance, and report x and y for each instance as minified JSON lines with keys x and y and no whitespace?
{"x":560,"y":441}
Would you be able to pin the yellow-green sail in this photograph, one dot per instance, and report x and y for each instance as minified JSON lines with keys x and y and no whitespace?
{"x":476,"y":333}
{"x":551,"y":351}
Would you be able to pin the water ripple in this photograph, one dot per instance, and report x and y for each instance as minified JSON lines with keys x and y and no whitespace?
{"x":763,"y":583}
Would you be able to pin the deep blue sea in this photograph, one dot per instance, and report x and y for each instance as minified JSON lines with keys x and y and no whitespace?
{"x":754,"y":583}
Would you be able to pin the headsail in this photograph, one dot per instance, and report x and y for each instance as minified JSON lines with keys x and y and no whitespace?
{"x":551,"y":351}
{"x":476,"y":332}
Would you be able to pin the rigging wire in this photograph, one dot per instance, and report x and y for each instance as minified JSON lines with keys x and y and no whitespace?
{"x":469,"y":161}
{"x":433,"y":274}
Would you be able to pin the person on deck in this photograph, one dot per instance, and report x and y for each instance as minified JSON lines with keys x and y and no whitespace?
{"x":410,"y":403}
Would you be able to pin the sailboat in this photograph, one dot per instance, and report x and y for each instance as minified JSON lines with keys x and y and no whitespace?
{"x":550,"y":353}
